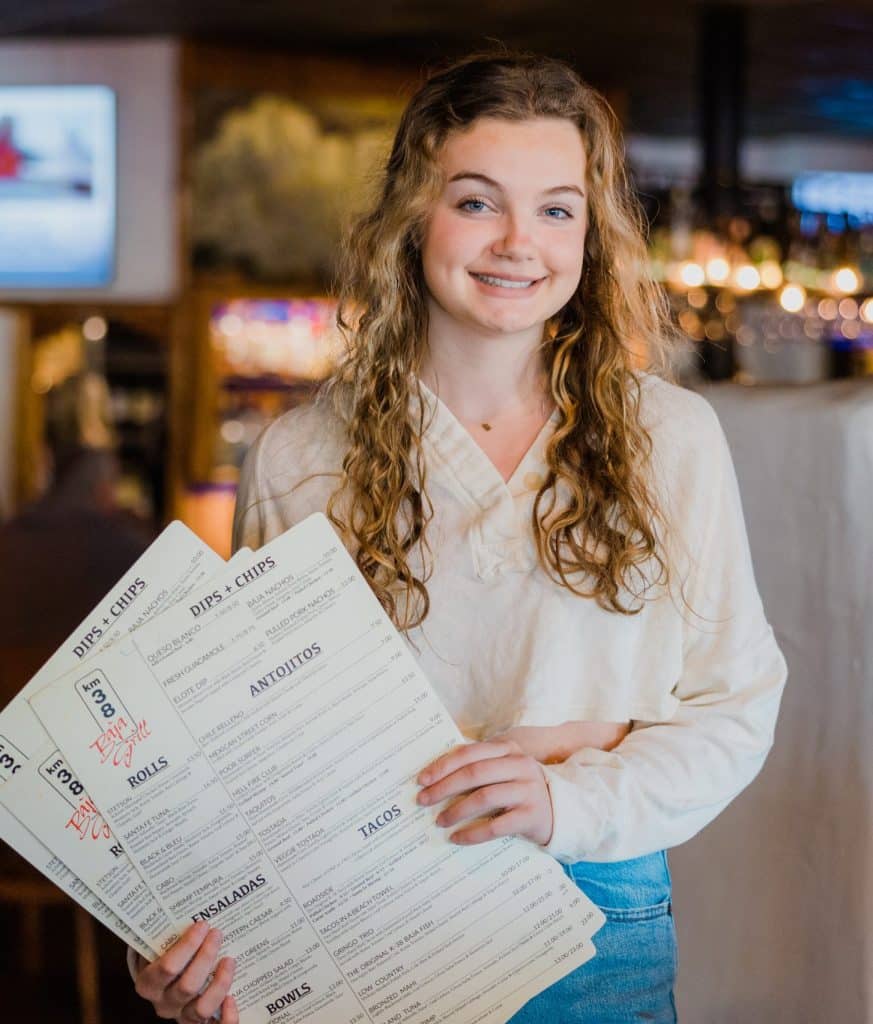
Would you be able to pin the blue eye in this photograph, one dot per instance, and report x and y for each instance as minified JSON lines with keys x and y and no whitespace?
{"x":467,"y":203}
{"x":565,"y":214}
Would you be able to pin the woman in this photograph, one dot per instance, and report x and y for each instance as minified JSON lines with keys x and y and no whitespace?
{"x":556,"y":528}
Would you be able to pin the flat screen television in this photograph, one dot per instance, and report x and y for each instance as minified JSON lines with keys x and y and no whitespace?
{"x":57,"y":186}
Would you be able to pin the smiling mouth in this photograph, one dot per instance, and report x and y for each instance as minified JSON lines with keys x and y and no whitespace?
{"x":506,"y":282}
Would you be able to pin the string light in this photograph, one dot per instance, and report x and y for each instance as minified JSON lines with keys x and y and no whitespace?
{"x":94,"y":328}
{"x":792,"y":298}
{"x":846,"y":280}
{"x":771,"y":274}
{"x":692,"y":274}
{"x":717,"y":270}
{"x":748,"y":277}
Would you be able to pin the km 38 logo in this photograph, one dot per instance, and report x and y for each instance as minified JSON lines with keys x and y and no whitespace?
{"x":100,"y":699}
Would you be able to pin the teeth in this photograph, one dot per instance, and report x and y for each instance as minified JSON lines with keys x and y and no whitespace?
{"x":501,"y":282}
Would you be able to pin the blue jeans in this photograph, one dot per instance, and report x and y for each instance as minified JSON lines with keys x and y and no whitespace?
{"x":631,"y":977}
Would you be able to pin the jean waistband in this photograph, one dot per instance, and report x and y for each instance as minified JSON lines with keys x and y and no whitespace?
{"x":643,"y":881}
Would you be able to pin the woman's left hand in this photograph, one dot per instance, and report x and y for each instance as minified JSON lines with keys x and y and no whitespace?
{"x":496,"y":778}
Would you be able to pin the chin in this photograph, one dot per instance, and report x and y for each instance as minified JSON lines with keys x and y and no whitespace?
{"x":512,"y":324}
{"x":497,"y":325}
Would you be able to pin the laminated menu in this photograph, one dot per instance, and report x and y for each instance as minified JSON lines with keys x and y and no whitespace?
{"x":253,"y":751}
{"x":174,"y":563}
{"x":43,"y":793}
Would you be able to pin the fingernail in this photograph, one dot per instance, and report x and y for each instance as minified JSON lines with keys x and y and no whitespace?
{"x":217,"y":933}
{"x":424,"y":778}
{"x":423,"y":798}
{"x":440,"y":820}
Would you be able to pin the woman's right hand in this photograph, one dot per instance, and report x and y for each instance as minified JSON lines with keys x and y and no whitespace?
{"x":173,"y":982}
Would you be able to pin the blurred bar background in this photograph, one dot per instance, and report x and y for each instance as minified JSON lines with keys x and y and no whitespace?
{"x":174,"y":180}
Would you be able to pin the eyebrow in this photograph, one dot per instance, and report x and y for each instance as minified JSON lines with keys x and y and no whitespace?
{"x":476,"y":176}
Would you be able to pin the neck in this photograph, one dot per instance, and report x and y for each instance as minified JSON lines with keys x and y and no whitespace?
{"x":480,"y":377}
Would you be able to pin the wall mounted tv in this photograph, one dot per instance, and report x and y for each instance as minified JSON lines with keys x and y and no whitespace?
{"x":57,"y":186}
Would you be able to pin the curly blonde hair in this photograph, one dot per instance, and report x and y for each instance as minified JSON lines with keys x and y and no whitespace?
{"x":603,"y":529}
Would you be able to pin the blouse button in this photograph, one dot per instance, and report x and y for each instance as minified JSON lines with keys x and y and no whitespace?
{"x":533,"y":481}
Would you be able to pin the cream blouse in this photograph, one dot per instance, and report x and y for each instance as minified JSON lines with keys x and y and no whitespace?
{"x":504,"y":645}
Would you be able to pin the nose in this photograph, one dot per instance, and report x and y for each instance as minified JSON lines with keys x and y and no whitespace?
{"x":514,"y":241}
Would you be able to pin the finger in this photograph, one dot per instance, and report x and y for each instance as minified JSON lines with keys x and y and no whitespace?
{"x":135,"y":963}
{"x":484,"y":801}
{"x":513,"y":823}
{"x":457,"y":757}
{"x":509,"y":768}
{"x":187,"y":1016}
{"x":211,"y":998}
{"x":189,"y":983}
{"x":153,"y":979}
{"x":229,"y":1011}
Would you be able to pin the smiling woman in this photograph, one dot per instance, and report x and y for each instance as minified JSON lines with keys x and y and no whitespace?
{"x":501,"y":252}
{"x":574,"y":310}
{"x":557,"y":532}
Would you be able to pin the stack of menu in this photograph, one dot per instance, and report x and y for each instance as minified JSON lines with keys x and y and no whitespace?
{"x":238,"y":743}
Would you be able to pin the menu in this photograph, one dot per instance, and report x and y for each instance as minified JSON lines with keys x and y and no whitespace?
{"x":174,"y":563}
{"x":247,"y":755}
{"x":42,"y":791}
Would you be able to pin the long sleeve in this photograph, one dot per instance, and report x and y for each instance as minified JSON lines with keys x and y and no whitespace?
{"x":288,"y":473}
{"x":249,"y":512}
{"x":265,"y":479}
{"x":669,"y":779}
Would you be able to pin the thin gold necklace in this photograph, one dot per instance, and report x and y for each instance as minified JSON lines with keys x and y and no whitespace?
{"x":488,"y":426}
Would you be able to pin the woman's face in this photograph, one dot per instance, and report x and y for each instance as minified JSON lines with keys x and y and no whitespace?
{"x":504,"y":243}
